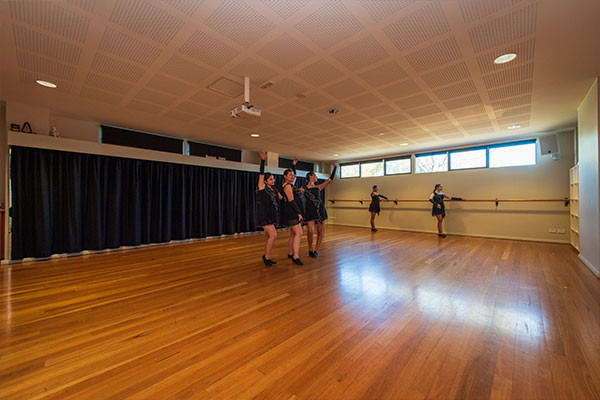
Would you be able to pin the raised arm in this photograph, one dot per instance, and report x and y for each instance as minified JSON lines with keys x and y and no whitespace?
{"x":294,"y":162}
{"x":383,"y":197}
{"x":261,"y":174}
{"x":331,"y":177}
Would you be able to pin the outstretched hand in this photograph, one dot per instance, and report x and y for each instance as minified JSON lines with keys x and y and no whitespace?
{"x":262,"y":155}
{"x":295,"y":161}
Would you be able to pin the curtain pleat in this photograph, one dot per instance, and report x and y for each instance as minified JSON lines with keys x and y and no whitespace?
{"x":64,"y":202}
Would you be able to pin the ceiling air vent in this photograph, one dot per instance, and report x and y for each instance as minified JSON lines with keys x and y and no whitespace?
{"x":267,"y":85}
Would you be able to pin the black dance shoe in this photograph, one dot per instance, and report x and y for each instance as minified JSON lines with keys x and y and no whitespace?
{"x":273,"y":261}
{"x":291,"y":256}
{"x":312,"y":254}
{"x":297,"y":261}
{"x":442,"y":235}
{"x":373,"y":229}
{"x":267,"y":262}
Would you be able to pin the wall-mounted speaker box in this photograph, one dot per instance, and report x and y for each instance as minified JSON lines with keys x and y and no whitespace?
{"x":549,"y":144}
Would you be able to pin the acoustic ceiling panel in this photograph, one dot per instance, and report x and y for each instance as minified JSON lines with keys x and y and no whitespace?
{"x":107,"y":83}
{"x":45,"y":67}
{"x":100,"y":95}
{"x":122,"y":45}
{"x":169,"y":85}
{"x":473,"y":10}
{"x":382,"y":9}
{"x":50,"y":17}
{"x":285,"y":51}
{"x":400,"y":89}
{"x":456,"y":90}
{"x":239,"y":22}
{"x":319,"y":73}
{"x":29,"y":78}
{"x":187,"y":7}
{"x":418,"y":27}
{"x":344,"y":89}
{"x":205,"y":48}
{"x":361,"y":53}
{"x":285,"y":8}
{"x":186,"y":70}
{"x":86,"y":5}
{"x":436,"y":55}
{"x":256,"y":71}
{"x":508,"y":76}
{"x":159,"y":98}
{"x":145,"y":19}
{"x":46,"y":45}
{"x":447,"y":75}
{"x":504,"y":29}
{"x":116,"y":68}
{"x":330,"y":24}
{"x":287,"y":88}
{"x":384,"y":74}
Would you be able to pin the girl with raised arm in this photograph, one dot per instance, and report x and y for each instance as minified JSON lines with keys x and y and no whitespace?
{"x":292,"y":216}
{"x":315,"y":214}
{"x":268,"y":208}
{"x":374,"y":207}
{"x":439,"y":210}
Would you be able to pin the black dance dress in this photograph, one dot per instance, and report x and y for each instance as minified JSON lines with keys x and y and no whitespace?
{"x":374,"y":206}
{"x":291,"y":208}
{"x":438,"y":198}
{"x":314,"y":208}
{"x":268,"y":207}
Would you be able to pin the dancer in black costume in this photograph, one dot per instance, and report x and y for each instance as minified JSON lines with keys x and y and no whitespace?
{"x":292,"y":216}
{"x":315,"y":212}
{"x":268,"y":208}
{"x":439,"y":210}
{"x":374,"y":207}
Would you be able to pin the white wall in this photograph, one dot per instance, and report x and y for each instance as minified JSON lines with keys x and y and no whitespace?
{"x":589,"y":218}
{"x":530,"y":221}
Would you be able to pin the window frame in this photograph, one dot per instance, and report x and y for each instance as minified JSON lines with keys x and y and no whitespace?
{"x":376,"y":161}
{"x":487,"y":157}
{"x":433,"y":153}
{"x":408,"y":157}
{"x":348,"y":164}
{"x":512,"y":144}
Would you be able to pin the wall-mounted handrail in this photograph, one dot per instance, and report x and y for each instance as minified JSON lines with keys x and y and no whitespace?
{"x":497,"y":201}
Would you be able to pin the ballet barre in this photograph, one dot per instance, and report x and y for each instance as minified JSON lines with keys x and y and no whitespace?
{"x":564,"y":200}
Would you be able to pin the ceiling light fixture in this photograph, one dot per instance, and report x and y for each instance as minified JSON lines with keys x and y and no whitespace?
{"x":46,"y":84}
{"x":336,"y":155}
{"x":254,"y":135}
{"x":403,"y":144}
{"x":382,"y":133}
{"x":505,"y":58}
{"x":333,"y":111}
{"x":513,"y":127}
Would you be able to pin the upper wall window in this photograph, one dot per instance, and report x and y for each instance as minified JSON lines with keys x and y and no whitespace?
{"x":371,"y":169}
{"x":431,"y":162}
{"x":513,"y":154}
{"x":350,"y":171}
{"x":398,"y":166}
{"x":465,"y":159}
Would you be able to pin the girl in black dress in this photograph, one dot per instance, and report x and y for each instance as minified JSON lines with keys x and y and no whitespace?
{"x":315,"y":212}
{"x":374,"y":207}
{"x":439,"y":210}
{"x":268,"y":208}
{"x":292,"y":216}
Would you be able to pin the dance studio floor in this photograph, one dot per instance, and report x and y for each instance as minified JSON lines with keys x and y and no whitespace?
{"x":390,"y":315}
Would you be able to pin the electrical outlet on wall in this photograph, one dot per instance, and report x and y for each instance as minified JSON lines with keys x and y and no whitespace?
{"x":551,"y":230}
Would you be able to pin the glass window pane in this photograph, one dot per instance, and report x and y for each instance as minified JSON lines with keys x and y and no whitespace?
{"x":350,"y":171}
{"x":467,"y":159}
{"x":371,"y":169}
{"x":432,"y":163}
{"x":508,"y":156}
{"x":401,"y":166}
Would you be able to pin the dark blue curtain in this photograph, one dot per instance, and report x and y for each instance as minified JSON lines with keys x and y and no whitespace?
{"x":64,"y":202}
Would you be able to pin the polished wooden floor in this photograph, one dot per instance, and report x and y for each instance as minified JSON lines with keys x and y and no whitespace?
{"x":390,"y":315}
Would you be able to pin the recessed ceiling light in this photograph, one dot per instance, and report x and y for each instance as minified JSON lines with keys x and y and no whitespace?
{"x":505,"y":58}
{"x":513,"y":127}
{"x":403,"y":144}
{"x":382,"y":133}
{"x":336,"y":155}
{"x":254,"y":135}
{"x":46,"y":84}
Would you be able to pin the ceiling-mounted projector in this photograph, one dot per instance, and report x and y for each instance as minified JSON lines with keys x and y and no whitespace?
{"x":246,"y":110}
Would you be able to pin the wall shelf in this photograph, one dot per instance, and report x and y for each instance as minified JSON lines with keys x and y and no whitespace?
{"x":574,"y":205}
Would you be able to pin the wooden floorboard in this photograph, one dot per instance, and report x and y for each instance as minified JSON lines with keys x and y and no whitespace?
{"x":389,"y":315}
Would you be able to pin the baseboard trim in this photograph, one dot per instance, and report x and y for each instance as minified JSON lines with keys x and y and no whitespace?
{"x":590,"y":266}
{"x":525,"y":239}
